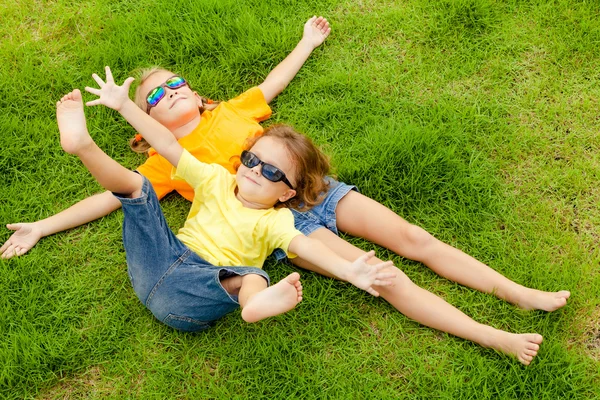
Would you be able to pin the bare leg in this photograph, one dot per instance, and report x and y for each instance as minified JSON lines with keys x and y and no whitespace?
{"x":75,"y":139}
{"x":259,"y":301}
{"x":430,"y":310}
{"x":361,"y":216}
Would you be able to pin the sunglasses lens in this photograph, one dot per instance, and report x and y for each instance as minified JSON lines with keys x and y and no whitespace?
{"x":249,"y":160}
{"x":175,"y":82}
{"x":155,"y":96}
{"x":272,"y":173}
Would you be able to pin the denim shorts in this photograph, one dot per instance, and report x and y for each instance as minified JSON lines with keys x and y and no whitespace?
{"x":322,"y":215}
{"x":180,"y":288}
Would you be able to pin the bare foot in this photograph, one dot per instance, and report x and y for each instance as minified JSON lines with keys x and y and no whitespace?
{"x":523,"y":346}
{"x":532,"y":299}
{"x":274,"y":300}
{"x":71,"y":123}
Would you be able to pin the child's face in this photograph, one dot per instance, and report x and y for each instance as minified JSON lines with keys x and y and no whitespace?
{"x":254,"y":188}
{"x":178,"y":107}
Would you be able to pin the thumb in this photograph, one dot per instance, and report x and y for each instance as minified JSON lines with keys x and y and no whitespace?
{"x":14,"y":227}
{"x":367,"y":256}
{"x":128,"y":83}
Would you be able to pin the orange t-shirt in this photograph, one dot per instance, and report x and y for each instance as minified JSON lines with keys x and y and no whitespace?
{"x":219,"y":137}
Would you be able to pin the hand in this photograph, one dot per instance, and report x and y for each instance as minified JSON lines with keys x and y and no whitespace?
{"x":111,"y":95}
{"x":25,"y":237}
{"x":364,"y":276}
{"x":316,"y":31}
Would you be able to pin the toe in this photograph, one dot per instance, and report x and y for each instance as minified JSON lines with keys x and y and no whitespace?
{"x":532,"y":346}
{"x":531,"y":353}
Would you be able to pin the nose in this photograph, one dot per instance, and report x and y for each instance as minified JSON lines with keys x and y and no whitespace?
{"x":256,"y":169}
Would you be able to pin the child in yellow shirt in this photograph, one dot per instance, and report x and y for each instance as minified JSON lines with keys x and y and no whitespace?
{"x":190,"y":280}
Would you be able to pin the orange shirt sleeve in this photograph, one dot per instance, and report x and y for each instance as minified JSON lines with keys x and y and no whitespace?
{"x":158,"y":171}
{"x":252,"y":103}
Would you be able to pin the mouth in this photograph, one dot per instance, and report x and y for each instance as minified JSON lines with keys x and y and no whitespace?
{"x":252,"y":180}
{"x":175,"y":101}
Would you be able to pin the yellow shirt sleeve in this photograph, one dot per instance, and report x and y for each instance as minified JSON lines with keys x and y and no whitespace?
{"x":281,"y":231}
{"x":252,"y":103}
{"x":196,"y":173}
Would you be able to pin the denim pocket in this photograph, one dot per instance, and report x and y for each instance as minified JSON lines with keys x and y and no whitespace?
{"x":186,"y":324}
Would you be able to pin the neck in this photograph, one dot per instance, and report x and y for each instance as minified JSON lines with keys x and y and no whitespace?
{"x":251,"y":204}
{"x":184,"y":130}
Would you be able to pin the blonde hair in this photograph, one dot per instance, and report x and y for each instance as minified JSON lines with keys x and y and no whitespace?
{"x":311,"y":166}
{"x":138,"y":143}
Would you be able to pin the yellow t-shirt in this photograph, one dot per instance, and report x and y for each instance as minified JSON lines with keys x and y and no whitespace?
{"x":220,"y":229}
{"x":219,"y":137}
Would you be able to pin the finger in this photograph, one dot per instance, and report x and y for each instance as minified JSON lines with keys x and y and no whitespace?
{"x":311,"y":20}
{"x":385,"y":275}
{"x":373,"y":292}
{"x":98,"y":80}
{"x":327,"y":32}
{"x":109,"y":77}
{"x":14,"y":227}
{"x":128,"y":83}
{"x":93,"y":103}
{"x":367,"y":256}
{"x":93,"y":90}
{"x":382,"y":282}
{"x":22,"y":251}
{"x":5,"y":246}
{"x":9,"y":252}
{"x":382,"y":265}
{"x":320,"y":23}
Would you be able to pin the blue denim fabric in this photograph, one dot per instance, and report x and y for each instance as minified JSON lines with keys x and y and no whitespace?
{"x":322,"y":215}
{"x":180,"y":288}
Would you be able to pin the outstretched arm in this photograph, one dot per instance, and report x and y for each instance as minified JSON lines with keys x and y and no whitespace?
{"x":27,"y":235}
{"x":316,"y":31}
{"x":359,"y":273}
{"x":117,"y":98}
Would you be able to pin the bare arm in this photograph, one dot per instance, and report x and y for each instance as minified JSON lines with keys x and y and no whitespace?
{"x":159,"y":137}
{"x":358,"y":273}
{"x":316,"y":31}
{"x":27,"y":235}
{"x":117,"y":97}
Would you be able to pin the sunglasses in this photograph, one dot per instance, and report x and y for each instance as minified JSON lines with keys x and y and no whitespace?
{"x":159,"y":92}
{"x":270,"y":172}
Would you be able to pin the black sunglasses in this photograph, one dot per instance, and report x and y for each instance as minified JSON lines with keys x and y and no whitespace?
{"x":271,"y":172}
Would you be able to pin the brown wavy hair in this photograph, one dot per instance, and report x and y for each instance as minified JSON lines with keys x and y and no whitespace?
{"x":138,"y":144}
{"x":311,"y":166}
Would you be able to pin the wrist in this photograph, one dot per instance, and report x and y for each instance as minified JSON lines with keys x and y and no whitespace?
{"x":343,"y":271}
{"x":306,"y":44}
{"x":41,"y":227}
{"x":127,"y":107}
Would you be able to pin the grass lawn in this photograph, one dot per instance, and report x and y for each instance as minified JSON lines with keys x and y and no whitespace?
{"x":475,"y":119}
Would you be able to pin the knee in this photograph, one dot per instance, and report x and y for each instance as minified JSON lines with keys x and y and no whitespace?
{"x":418,"y":237}
{"x":401,"y":284}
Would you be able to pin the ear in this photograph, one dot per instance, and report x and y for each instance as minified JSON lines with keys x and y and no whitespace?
{"x":198,"y":100}
{"x":287,"y":195}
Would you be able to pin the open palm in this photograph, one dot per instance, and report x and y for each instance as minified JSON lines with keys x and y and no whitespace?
{"x":365,"y":276}
{"x":110,"y":94}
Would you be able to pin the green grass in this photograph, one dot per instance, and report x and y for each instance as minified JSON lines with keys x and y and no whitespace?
{"x":475,"y":119}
